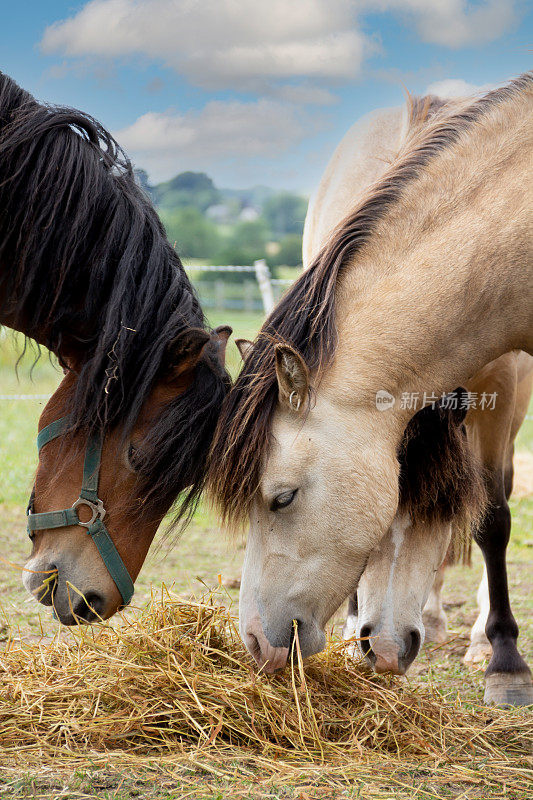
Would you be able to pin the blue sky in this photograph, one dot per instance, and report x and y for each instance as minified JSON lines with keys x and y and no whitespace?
{"x":254,"y":92}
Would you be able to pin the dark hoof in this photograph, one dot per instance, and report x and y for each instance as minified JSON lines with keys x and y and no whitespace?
{"x":509,"y":689}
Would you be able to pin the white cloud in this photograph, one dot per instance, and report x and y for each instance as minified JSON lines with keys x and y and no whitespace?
{"x":219,"y":42}
{"x":291,"y":51}
{"x":457,"y":87}
{"x":242,"y":43}
{"x":454,"y":23}
{"x":221,"y":134}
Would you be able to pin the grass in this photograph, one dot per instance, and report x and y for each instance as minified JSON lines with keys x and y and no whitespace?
{"x":191,"y":565}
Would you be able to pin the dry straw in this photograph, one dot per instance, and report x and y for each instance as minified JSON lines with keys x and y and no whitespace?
{"x":173,"y":684}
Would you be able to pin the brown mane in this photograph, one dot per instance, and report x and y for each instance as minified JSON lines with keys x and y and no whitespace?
{"x":305,"y":317}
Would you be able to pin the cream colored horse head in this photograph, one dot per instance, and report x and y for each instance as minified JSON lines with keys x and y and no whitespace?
{"x":388,"y":617}
{"x":390,"y":611}
{"x":302,"y":533}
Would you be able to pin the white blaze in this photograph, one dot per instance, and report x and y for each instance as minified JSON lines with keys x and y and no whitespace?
{"x":398,"y":529}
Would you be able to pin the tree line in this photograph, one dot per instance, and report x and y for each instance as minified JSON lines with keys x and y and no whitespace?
{"x":229,"y":226}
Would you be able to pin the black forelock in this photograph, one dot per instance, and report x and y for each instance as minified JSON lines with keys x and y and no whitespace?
{"x":85,"y":265}
{"x":440,"y":480}
{"x":86,"y":269}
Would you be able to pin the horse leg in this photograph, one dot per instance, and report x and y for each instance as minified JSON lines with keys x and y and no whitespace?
{"x":480,"y":649}
{"x":434,"y":616}
{"x":508,"y":678}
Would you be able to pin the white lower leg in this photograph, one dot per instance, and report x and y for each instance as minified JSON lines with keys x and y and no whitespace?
{"x":350,"y":627}
{"x":480,"y":647}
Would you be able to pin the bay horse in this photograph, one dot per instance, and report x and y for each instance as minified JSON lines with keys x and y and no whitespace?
{"x":86,"y":271}
{"x":411,"y":289}
{"x":395,"y":598}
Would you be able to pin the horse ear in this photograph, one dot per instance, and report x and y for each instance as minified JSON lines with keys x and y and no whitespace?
{"x":244,"y":346}
{"x":220,"y":338}
{"x":184,"y":352}
{"x":293,"y":377}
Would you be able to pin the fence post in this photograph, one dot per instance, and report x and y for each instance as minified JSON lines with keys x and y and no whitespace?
{"x":265,"y":287}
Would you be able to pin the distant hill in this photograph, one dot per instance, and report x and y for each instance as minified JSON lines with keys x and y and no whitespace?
{"x":192,"y":189}
{"x":198,"y":190}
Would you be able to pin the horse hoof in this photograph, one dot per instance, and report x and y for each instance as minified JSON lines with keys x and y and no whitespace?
{"x":509,"y":689}
{"x":436,"y":629}
{"x":478,"y":652}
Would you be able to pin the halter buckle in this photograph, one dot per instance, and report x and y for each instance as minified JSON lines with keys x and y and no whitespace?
{"x":97,"y":509}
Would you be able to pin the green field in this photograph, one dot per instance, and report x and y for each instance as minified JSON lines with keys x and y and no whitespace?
{"x":202,"y":554}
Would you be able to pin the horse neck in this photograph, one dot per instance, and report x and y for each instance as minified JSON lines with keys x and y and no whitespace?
{"x":444,"y":285}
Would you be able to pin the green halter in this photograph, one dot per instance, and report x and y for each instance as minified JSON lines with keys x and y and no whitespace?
{"x":88,"y":497}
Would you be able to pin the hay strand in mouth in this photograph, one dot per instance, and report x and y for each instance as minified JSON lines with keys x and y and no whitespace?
{"x":173,"y":680}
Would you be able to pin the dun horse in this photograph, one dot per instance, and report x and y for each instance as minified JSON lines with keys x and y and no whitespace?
{"x":86,"y":270}
{"x":425,"y":282}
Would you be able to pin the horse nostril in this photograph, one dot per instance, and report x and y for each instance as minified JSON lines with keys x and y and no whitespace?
{"x":46,"y":590}
{"x":90,"y":607}
{"x":366,"y":647}
{"x":412,"y":646}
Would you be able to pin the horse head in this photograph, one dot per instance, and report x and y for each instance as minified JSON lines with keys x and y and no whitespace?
{"x":99,"y":497}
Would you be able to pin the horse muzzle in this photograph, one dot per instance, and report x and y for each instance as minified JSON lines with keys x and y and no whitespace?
{"x":390,"y":652}
{"x":72,"y":603}
{"x":271,"y":644}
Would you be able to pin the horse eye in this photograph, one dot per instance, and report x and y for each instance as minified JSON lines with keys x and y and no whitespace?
{"x":283,"y":500}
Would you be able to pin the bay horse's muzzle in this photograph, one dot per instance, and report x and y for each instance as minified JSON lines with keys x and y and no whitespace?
{"x":49,"y":586}
{"x":50,"y":579}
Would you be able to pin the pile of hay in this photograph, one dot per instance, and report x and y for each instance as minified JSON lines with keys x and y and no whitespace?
{"x":174,"y":682}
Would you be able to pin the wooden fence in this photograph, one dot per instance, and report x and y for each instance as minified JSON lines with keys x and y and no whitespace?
{"x":257,"y":291}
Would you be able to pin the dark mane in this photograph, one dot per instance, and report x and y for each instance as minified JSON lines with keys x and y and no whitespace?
{"x":86,"y":269}
{"x":440,"y":480}
{"x":305,"y":317}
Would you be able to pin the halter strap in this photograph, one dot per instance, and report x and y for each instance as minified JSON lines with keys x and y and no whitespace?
{"x":52,"y":431}
{"x":88,"y":497}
